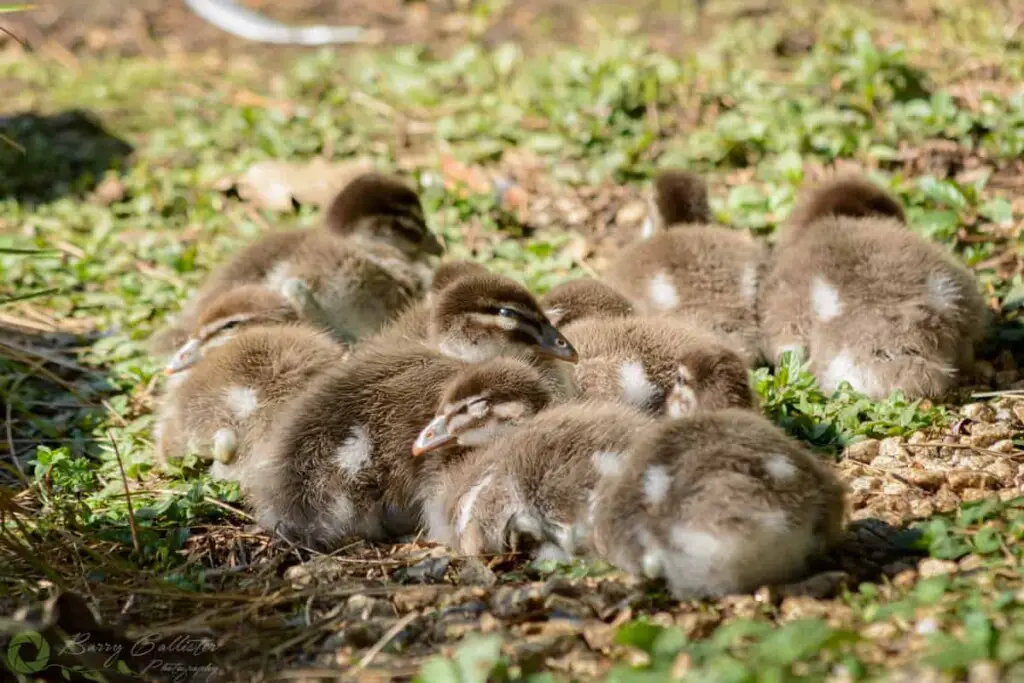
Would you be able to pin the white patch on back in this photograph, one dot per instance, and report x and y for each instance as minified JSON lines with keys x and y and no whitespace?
{"x":277,"y":277}
{"x":748,"y":283}
{"x":469,"y":502}
{"x":607,"y":463}
{"x":825,"y":299}
{"x":662,"y":292}
{"x":943,"y":292}
{"x":775,"y":521}
{"x":637,"y":389}
{"x":656,"y":483}
{"x":780,"y":468}
{"x":242,"y":401}
{"x":354,"y":452}
{"x":648,"y":228}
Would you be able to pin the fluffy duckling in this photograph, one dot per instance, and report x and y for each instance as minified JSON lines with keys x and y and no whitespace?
{"x":338,"y":465}
{"x":704,"y":273}
{"x":716,"y":503}
{"x":584,"y":298}
{"x":642,"y":360}
{"x":526,"y":482}
{"x":532,"y":487}
{"x":229,"y":399}
{"x":479,"y":315}
{"x":865,"y":299}
{"x":366,"y":265}
{"x":229,"y":313}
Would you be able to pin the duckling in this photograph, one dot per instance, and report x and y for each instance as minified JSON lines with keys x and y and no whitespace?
{"x":867,"y":301}
{"x":229,"y":399}
{"x":338,"y":465}
{"x":231,"y":311}
{"x":703,"y":273}
{"x":480,"y":316}
{"x":642,"y":360}
{"x":366,"y":264}
{"x":717,"y":503}
{"x":584,"y":298}
{"x":518,"y":481}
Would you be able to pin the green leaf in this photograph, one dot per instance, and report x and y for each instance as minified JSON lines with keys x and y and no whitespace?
{"x":640,"y":634}
{"x":439,"y":670}
{"x":796,"y":641}
{"x":943,"y":192}
{"x":478,"y":657}
{"x":988,"y":540}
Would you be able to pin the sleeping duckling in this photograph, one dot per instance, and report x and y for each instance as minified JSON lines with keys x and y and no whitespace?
{"x":518,"y":481}
{"x":366,"y":264}
{"x":641,"y":360}
{"x":705,"y":274}
{"x":230,"y":312}
{"x":866,"y":300}
{"x":716,"y":503}
{"x":228,"y":400}
{"x":481,"y":315}
{"x":584,"y":298}
{"x":338,"y":462}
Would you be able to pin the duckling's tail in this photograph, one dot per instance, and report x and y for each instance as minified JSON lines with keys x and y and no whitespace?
{"x":849,"y":195}
{"x":679,"y":197}
{"x":369,"y":195}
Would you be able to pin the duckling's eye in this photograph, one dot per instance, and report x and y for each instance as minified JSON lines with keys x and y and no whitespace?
{"x":507,"y":313}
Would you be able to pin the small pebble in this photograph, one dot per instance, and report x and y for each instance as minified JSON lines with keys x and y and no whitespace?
{"x":934,"y":567}
{"x":979,"y":412}
{"x":893,"y":447}
{"x":863,"y":451}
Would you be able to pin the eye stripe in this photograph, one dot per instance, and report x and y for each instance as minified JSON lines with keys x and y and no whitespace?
{"x":220,"y":325}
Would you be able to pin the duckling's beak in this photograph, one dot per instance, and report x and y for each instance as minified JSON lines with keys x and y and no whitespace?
{"x":184,"y":358}
{"x":552,"y":344}
{"x":431,"y":245}
{"x":434,"y":436}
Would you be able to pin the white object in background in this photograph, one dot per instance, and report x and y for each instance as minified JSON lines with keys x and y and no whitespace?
{"x":245,"y":23}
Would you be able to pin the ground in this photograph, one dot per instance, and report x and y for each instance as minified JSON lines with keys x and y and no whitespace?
{"x":135,"y":158}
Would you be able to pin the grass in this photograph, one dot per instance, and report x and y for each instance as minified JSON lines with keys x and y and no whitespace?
{"x":108,"y":220}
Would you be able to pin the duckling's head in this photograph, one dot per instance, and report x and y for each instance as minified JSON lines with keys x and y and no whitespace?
{"x":382,"y":208}
{"x":228,"y":313}
{"x":481,"y":402}
{"x":479,"y":317}
{"x":450,"y":271}
{"x":709,"y":378}
{"x":584,"y":298}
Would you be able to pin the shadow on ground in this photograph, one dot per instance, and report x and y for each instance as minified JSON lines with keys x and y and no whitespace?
{"x":45,"y":157}
{"x":48,"y":400}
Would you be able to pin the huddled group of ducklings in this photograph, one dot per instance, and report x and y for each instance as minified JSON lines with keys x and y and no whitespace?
{"x":353,"y":389}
